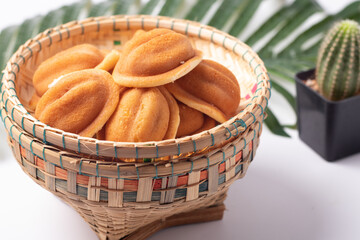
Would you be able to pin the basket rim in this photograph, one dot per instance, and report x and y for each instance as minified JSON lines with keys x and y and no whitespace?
{"x":12,"y":108}
{"x":35,"y":150}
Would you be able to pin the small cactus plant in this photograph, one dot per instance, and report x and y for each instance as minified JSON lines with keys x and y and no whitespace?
{"x":338,"y":64}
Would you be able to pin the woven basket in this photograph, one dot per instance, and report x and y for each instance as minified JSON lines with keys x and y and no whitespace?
{"x":131,"y":190}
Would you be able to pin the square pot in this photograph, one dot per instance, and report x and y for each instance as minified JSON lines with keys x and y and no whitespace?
{"x":330,"y":128}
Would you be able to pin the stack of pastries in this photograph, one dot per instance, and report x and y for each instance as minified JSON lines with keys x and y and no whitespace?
{"x":156,"y":87}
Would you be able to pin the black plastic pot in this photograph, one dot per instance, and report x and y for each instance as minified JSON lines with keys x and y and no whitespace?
{"x":330,"y":128}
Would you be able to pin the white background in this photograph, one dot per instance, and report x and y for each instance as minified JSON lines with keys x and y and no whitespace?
{"x":289,"y":192}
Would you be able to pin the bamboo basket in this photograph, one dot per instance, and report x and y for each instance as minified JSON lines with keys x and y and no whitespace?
{"x":131,"y":190}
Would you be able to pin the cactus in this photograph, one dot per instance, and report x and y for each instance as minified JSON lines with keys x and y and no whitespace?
{"x":338,"y":64}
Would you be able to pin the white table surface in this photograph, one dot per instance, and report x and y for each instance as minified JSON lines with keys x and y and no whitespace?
{"x":288,"y":193}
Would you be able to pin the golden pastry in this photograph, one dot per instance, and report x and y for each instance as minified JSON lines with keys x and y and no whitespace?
{"x":81,"y":103}
{"x":155,"y":58}
{"x":109,"y":61}
{"x":190,"y":120}
{"x":174,"y":114}
{"x":142,"y":115}
{"x":210,"y":88}
{"x":80,"y":57}
{"x":208,"y":124}
{"x":100,"y":134}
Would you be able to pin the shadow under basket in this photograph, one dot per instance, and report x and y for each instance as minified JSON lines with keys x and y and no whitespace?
{"x":330,"y":128}
{"x":131,"y":190}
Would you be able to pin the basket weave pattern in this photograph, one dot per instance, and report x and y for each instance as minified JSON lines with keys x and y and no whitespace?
{"x":124,"y":199}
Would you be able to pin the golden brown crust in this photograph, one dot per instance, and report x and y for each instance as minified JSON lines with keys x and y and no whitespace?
{"x":190,"y":120}
{"x":100,"y":134}
{"x":208,"y":124}
{"x":81,"y":103}
{"x":174,"y":114}
{"x":210,"y":88}
{"x":109,"y":61}
{"x":84,"y":56}
{"x":155,"y":58}
{"x":142,"y":115}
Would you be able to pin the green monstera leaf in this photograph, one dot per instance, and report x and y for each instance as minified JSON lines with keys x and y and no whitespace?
{"x":282,"y":58}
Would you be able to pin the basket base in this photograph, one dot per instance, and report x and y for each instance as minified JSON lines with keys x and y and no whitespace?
{"x":202,"y":215}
